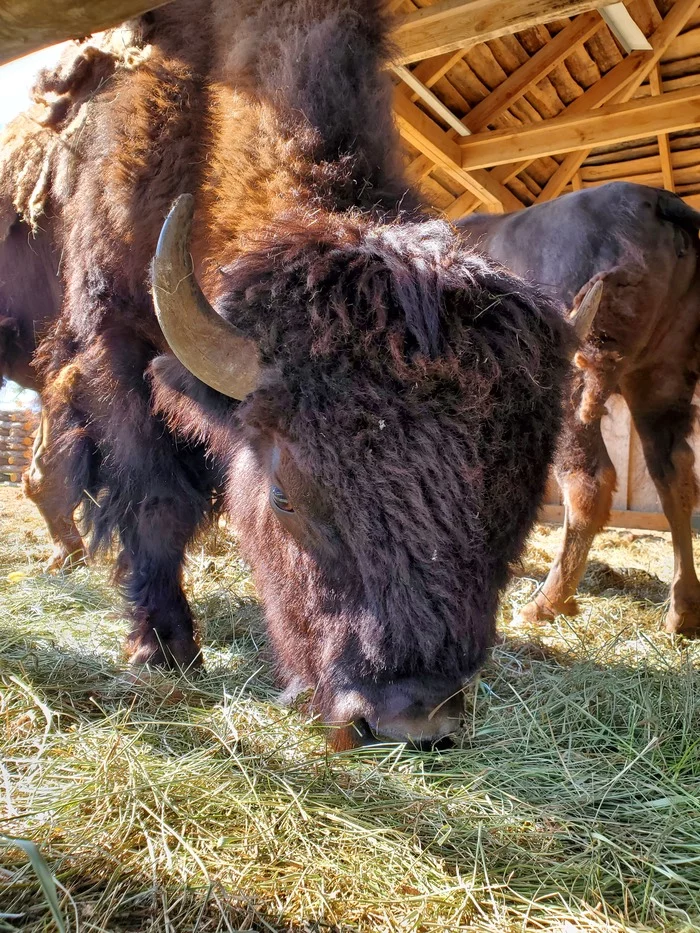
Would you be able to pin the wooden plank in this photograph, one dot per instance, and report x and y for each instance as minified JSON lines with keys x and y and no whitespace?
{"x":622,"y":168}
{"x":515,"y":85}
{"x":432,"y":101}
{"x":597,"y":95}
{"x":26,"y":25}
{"x":465,"y":204}
{"x":452,"y":24}
{"x":649,"y":521}
{"x":426,"y":135}
{"x":532,"y":71}
{"x":613,"y":123}
{"x":693,"y":200}
{"x":431,"y":70}
{"x":664,"y":145}
{"x":616,"y":427}
{"x":671,"y":26}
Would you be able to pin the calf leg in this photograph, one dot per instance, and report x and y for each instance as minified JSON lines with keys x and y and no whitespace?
{"x":670,"y":460}
{"x":47,"y":485}
{"x":587,"y":479}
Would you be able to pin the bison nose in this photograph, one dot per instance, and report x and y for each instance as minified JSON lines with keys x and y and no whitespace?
{"x":423,"y":726}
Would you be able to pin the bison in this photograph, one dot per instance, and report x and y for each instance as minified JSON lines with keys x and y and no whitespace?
{"x":30,"y":244}
{"x":644,"y":344}
{"x":375,"y":406}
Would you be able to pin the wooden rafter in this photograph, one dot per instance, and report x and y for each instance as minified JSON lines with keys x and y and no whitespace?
{"x":614,"y":123}
{"x":513,"y":88}
{"x":599,"y":94}
{"x":533,"y":71}
{"x":453,"y":24}
{"x":662,"y":138}
{"x":423,"y":133}
{"x":666,"y":32}
{"x":26,"y":25}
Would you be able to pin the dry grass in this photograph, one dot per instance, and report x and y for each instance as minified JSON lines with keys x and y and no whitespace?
{"x":573,"y":803}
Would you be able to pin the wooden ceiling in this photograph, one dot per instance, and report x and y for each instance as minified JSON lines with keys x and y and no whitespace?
{"x":506,"y":103}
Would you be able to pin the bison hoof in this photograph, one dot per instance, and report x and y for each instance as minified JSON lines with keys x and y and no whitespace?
{"x":684,"y":622}
{"x":65,"y":560}
{"x":535,"y":612}
{"x":177,"y":654}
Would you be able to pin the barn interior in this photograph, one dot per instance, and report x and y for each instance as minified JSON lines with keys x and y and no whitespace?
{"x":506,"y":103}
{"x":154,"y":802}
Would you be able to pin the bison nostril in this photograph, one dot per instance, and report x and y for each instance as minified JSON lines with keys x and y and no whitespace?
{"x":433,"y":745}
{"x":365,"y":736}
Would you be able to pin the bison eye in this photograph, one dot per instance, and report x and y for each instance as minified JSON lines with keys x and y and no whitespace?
{"x":279,"y":500}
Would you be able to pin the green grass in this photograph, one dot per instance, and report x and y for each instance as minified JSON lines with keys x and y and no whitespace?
{"x":572,"y":803}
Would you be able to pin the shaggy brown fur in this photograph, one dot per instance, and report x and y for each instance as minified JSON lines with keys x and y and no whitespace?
{"x":645,"y":344}
{"x":410,"y":394}
{"x":35,"y":178}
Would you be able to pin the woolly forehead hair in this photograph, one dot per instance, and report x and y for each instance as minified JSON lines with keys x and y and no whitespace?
{"x":406,"y":298}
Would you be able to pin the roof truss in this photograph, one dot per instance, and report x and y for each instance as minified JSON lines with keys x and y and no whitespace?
{"x":493,"y":154}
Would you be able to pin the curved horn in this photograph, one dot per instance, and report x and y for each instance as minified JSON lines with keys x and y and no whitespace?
{"x":212,"y":349}
{"x":582,"y":318}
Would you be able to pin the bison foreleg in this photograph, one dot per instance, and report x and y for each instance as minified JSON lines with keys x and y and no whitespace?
{"x":670,"y":461}
{"x":154,"y":537}
{"x":587,"y":479}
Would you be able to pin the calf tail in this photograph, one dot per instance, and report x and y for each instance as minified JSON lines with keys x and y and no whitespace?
{"x":674,"y":209}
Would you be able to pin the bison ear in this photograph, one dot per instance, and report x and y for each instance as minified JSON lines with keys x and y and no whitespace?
{"x":213,"y":350}
{"x":582,"y":318}
{"x":190,"y":408}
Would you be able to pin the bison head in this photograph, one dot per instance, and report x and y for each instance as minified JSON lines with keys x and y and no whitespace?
{"x":399,"y":404}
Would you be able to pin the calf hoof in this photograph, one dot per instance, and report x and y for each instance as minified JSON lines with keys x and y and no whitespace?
{"x":65,"y":560}
{"x":174,"y":653}
{"x":537,"y":612}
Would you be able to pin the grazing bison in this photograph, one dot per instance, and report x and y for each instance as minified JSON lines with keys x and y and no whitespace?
{"x":644,"y":344}
{"x":376,"y":406}
{"x":32,"y":176}
{"x":29,"y":300}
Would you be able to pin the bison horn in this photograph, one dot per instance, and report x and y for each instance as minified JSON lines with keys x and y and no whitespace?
{"x":213,"y":350}
{"x":582,"y":318}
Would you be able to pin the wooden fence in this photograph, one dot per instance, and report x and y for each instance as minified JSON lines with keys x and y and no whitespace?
{"x":636,"y":502}
{"x":17,"y":430}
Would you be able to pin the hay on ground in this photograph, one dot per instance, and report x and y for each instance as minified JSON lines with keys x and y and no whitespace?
{"x":572,"y":803}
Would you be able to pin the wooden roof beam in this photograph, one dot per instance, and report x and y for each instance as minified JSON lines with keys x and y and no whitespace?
{"x":534,"y":70}
{"x":431,"y":100}
{"x":453,"y":24}
{"x":614,"y":123}
{"x":597,"y":95}
{"x":600,"y":93}
{"x":26,"y":25}
{"x":662,"y":139}
{"x":423,"y":133}
{"x":661,"y":38}
{"x":515,"y":85}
